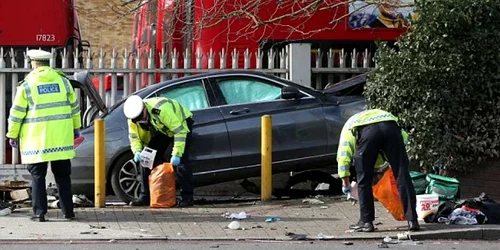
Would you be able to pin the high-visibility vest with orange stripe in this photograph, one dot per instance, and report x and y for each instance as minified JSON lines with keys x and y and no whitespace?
{"x":347,"y":143}
{"x":166,"y":116}
{"x":43,"y":117}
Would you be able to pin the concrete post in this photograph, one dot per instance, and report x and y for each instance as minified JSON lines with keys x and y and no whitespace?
{"x":300,"y":63}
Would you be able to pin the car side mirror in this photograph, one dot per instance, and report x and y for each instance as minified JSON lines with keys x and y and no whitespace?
{"x":289,"y":93}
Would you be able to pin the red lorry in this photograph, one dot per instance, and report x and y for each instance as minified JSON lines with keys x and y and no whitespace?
{"x":37,"y":24}
{"x":201,"y":25}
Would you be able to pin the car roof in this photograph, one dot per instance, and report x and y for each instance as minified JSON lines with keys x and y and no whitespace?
{"x":228,"y":72}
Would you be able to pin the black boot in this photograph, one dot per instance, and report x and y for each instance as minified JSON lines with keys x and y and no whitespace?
{"x":413,"y":226}
{"x":39,"y":218}
{"x":363,"y":227}
{"x":141,"y":201}
{"x":70,"y":216}
{"x":186,"y":202}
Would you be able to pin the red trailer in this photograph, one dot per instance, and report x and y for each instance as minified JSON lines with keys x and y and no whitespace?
{"x":201,"y":25}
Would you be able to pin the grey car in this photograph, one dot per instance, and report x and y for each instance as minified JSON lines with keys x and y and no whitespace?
{"x":227,"y":108}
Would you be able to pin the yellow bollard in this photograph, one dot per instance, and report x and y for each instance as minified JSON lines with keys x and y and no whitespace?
{"x":99,"y":163}
{"x":266,"y":158}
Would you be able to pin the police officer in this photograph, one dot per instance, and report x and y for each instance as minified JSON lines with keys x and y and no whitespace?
{"x":165,"y":125}
{"x":364,"y":137}
{"x":43,"y":122}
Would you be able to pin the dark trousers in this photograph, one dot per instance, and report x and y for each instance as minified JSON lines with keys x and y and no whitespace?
{"x":184,"y":174}
{"x":372,"y":139}
{"x":62,"y":174}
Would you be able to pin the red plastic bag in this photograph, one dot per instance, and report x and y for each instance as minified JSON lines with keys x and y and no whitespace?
{"x":162,"y":186}
{"x":385,"y":190}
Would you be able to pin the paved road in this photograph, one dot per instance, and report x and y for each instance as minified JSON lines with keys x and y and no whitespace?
{"x":211,"y":245}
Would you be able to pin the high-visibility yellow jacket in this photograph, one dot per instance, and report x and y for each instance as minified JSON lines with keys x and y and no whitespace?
{"x":347,"y":143}
{"x":43,"y":116}
{"x":166,"y":116}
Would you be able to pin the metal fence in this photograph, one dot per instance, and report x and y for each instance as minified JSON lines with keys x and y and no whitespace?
{"x":126,"y":72}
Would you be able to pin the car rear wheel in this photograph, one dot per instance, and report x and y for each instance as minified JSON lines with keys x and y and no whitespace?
{"x":125,"y":178}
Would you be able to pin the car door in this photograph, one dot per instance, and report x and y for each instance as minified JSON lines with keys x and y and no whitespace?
{"x":299,"y":130}
{"x":210,"y":149}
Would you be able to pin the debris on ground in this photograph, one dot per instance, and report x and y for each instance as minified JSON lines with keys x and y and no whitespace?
{"x":20,"y":195}
{"x":383,"y":245}
{"x":295,"y":236}
{"x":272,"y":219}
{"x":6,"y":211}
{"x":97,"y":227}
{"x":389,"y":240}
{"x":238,"y":216}
{"x":348,"y":243}
{"x":323,"y":236}
{"x":234,"y":225}
{"x":6,"y":208}
{"x":82,"y":201}
{"x":313,"y":201}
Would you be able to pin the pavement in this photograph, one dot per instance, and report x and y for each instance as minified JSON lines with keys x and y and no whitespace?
{"x":293,"y":220}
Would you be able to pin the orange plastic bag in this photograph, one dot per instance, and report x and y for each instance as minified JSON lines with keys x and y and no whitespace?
{"x":162,"y":186}
{"x":385,"y":190}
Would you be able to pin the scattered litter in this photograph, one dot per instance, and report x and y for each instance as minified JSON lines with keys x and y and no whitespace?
{"x":239,"y":216}
{"x":383,"y":245}
{"x":88,"y":232}
{"x":324,"y":207}
{"x":294,"y":236}
{"x":404,"y":236}
{"x":82,"y":201}
{"x":323,"y":236}
{"x":54,"y":204}
{"x":6,"y":211}
{"x":348,"y":243}
{"x":216,"y":246}
{"x":378,"y":223}
{"x":97,"y":227}
{"x":272,"y":219}
{"x":389,"y":240}
{"x":349,"y":231}
{"x":258,"y":226}
{"x":272,"y":228}
{"x":112,"y":241}
{"x":179,"y":234}
{"x":143,"y":230}
{"x":234,"y":225}
{"x":312,"y":201}
{"x":20,"y":195}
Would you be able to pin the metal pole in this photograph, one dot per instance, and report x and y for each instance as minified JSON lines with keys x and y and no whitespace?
{"x":100,"y":164}
{"x":266,"y":158}
{"x":3,"y":92}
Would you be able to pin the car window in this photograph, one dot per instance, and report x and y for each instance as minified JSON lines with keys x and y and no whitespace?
{"x":237,"y":91}
{"x":191,"y":95}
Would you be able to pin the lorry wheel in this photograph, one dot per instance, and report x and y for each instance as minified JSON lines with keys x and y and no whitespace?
{"x":125,"y":178}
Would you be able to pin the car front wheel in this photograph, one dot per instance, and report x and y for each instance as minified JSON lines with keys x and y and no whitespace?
{"x":125,"y":178}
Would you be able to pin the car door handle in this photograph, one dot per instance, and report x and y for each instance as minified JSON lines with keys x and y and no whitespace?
{"x":239,"y":111}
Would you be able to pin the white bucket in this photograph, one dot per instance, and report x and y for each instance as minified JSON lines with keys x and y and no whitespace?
{"x":426,"y":204}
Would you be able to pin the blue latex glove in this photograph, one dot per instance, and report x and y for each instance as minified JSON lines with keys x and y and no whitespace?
{"x":14,"y":143}
{"x":346,"y":190}
{"x":76,"y":133}
{"x":175,"y":160}
{"x":137,"y":157}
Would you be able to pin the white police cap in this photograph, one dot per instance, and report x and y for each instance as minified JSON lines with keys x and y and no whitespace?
{"x":39,"y":55}
{"x":133,"y":106}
